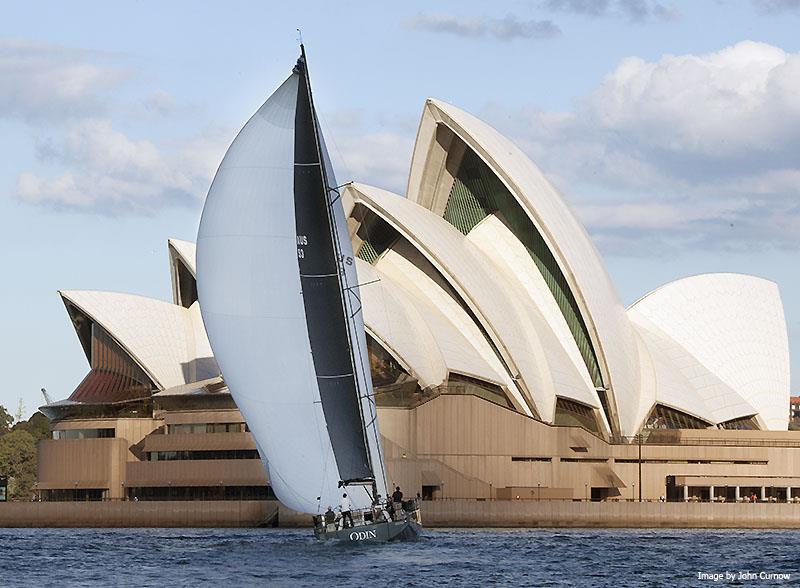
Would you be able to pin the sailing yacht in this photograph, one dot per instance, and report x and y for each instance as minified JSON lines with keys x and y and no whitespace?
{"x":280,"y":301}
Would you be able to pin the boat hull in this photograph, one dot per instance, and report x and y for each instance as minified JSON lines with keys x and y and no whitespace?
{"x":374,"y":533}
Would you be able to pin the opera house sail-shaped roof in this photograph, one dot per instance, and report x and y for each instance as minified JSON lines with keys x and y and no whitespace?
{"x":481,"y":280}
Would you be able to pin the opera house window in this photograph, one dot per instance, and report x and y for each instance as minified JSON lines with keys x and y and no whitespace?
{"x":83,"y":433}
{"x":664,"y":417}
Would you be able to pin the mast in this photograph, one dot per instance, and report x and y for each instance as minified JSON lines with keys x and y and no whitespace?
{"x":341,"y":275}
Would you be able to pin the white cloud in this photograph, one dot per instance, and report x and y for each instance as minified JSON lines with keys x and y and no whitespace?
{"x":776,"y":6}
{"x":42,"y":81}
{"x":633,"y":10}
{"x":689,"y":150}
{"x":381,"y":158}
{"x":373,"y":151}
{"x":159,"y":102}
{"x":505,"y":29}
{"x":110,"y":173}
{"x":688,"y":103}
{"x":91,"y":165}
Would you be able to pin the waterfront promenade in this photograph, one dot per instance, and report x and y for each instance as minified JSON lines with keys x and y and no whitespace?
{"x":437,"y":513}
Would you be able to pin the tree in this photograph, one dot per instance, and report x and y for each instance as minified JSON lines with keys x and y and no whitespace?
{"x":6,"y":420}
{"x":37,"y":425}
{"x":18,"y":462}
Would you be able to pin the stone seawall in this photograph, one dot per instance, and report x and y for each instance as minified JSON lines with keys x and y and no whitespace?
{"x":519,"y":513}
{"x":561,"y":513}
{"x":439,"y":513}
{"x":209,"y":513}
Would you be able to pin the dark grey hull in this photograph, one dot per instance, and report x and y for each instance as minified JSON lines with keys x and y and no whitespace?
{"x":376,"y":533}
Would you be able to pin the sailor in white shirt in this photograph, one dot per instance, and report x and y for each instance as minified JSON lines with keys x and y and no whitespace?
{"x":344,"y":506}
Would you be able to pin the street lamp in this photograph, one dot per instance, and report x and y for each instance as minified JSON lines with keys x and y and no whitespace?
{"x":538,"y":491}
{"x":639,"y":438}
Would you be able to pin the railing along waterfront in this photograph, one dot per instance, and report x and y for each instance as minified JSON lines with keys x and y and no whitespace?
{"x":675,"y":437}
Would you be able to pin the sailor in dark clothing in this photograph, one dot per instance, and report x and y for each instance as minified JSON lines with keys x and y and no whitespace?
{"x":397,"y":495}
{"x":330,"y":516}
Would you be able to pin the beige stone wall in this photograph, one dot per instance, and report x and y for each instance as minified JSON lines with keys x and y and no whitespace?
{"x":212,"y":472}
{"x":83,"y":463}
{"x":559,"y":513}
{"x":466,"y":445}
{"x":462,"y":445}
{"x":197,"y":513}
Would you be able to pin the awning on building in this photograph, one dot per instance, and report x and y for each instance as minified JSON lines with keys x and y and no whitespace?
{"x":430,"y":478}
{"x":604,"y":477}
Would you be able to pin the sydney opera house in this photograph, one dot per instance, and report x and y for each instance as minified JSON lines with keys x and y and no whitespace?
{"x":504,"y":363}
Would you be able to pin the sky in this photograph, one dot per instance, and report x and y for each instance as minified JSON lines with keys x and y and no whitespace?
{"x":672,"y":129}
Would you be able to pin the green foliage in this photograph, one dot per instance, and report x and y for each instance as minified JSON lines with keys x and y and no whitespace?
{"x":18,"y":454}
{"x":18,"y":462}
{"x":37,"y":425}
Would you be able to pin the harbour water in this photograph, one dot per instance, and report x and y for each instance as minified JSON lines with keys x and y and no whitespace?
{"x":443,"y":557}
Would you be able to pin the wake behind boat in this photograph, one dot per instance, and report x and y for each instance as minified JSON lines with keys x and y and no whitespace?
{"x":280,"y":301}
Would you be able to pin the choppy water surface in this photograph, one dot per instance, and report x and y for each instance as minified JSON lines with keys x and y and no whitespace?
{"x":280,"y":557}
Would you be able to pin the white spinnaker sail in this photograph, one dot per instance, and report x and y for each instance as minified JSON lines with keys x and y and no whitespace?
{"x":253,"y":309}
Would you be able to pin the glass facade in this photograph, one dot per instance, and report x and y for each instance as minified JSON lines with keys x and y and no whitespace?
{"x":83,"y":433}
{"x":574,"y":414}
{"x":201,"y":493}
{"x":192,"y":428}
{"x":461,"y":384}
{"x":187,"y":285}
{"x":120,"y":410}
{"x":476,"y":193}
{"x":75,"y":495}
{"x":405,"y":395}
{"x":202,"y":455}
{"x":742,"y":424}
{"x":383,"y":366}
{"x":664,"y":417}
{"x":376,"y":235}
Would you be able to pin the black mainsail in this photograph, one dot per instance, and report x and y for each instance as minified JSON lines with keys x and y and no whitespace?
{"x":323,"y":292}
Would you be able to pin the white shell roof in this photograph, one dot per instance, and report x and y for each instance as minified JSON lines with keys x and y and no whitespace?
{"x":166,"y":340}
{"x":394,"y":321}
{"x":420,"y":335}
{"x":612,"y":334}
{"x":186,"y":251}
{"x":460,"y":340}
{"x":522,"y":276}
{"x":517,"y":327}
{"x":733,"y":326}
{"x":682,"y":382}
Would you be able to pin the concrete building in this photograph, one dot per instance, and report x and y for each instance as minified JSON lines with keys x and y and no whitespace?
{"x":505,"y":364}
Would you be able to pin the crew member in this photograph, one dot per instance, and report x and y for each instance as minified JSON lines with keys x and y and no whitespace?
{"x":330,"y":517}
{"x":397,"y":495}
{"x":344,"y":505}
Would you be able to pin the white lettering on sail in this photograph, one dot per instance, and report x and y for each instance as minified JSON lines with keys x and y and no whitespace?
{"x":361,"y":535}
